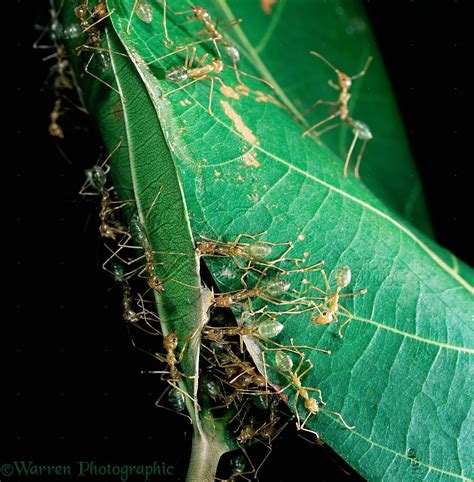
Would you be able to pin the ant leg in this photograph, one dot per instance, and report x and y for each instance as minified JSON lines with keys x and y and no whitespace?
{"x":157,"y":404}
{"x":230,"y":24}
{"x":318,"y":102}
{"x":252,"y":77}
{"x":211,"y":91}
{"x":364,"y":70}
{"x":217,"y":48}
{"x":349,"y":318}
{"x":165,"y":25}
{"x":350,"y":427}
{"x":320,"y":393}
{"x":349,"y":153}
{"x":86,"y":69}
{"x":177,"y":51}
{"x":182,"y":87}
{"x":333,"y":85}
{"x":327,"y":129}
{"x":304,"y":429}
{"x":92,"y":25}
{"x":192,"y":58}
{"x":326,"y":282}
{"x":250,"y":236}
{"x":315,"y":126}
{"x":359,"y":159}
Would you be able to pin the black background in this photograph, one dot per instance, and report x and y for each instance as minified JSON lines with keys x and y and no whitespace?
{"x":72,"y":388}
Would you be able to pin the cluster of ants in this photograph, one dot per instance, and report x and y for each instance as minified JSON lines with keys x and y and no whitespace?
{"x":207,"y":67}
{"x":229,"y":381}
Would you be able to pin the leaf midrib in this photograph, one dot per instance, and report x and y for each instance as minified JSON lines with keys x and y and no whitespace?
{"x":192,"y":409}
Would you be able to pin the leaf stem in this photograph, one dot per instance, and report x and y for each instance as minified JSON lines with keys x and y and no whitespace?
{"x":205,"y":456}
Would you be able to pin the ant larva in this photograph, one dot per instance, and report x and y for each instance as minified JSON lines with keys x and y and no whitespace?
{"x":208,"y":71}
{"x":143,"y":11}
{"x":359,"y":128}
{"x":328,"y":310}
{"x":284,"y":366}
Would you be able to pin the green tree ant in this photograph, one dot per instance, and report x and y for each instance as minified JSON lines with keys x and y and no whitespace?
{"x":359,"y":128}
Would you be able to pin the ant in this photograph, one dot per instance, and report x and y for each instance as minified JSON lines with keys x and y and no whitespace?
{"x":202,"y":71}
{"x":60,"y":70}
{"x":211,"y":28}
{"x":137,"y":231}
{"x":328,"y":310}
{"x":359,"y":128}
{"x":97,"y":15}
{"x":170,"y":344}
{"x":269,"y":292}
{"x":96,"y":177}
{"x":284,"y":364}
{"x":253,"y":253}
{"x":263,"y":330}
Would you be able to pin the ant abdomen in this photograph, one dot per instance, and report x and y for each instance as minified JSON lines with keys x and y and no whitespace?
{"x":343,"y":276}
{"x":96,"y":176}
{"x":283,"y":361}
{"x":177,"y":74}
{"x":144,"y":12}
{"x":176,"y":399}
{"x":258,"y":251}
{"x":269,"y":328}
{"x":232,"y":52}
{"x":361,"y":129}
{"x":276,"y":287}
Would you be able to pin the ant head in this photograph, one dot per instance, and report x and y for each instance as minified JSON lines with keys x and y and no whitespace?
{"x":311,"y":405}
{"x":344,"y":80}
{"x":217,"y":66}
{"x":80,"y":11}
{"x":100,"y":10}
{"x":170,"y":341}
{"x":201,"y":14}
{"x":323,"y":318}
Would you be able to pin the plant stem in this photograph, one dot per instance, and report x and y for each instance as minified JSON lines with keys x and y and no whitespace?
{"x":205,"y":457}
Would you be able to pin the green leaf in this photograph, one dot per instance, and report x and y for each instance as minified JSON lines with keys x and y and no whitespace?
{"x":279,"y":45}
{"x":399,"y":375}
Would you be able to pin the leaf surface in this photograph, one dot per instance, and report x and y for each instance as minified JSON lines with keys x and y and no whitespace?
{"x":401,"y":374}
{"x":279,"y":44}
